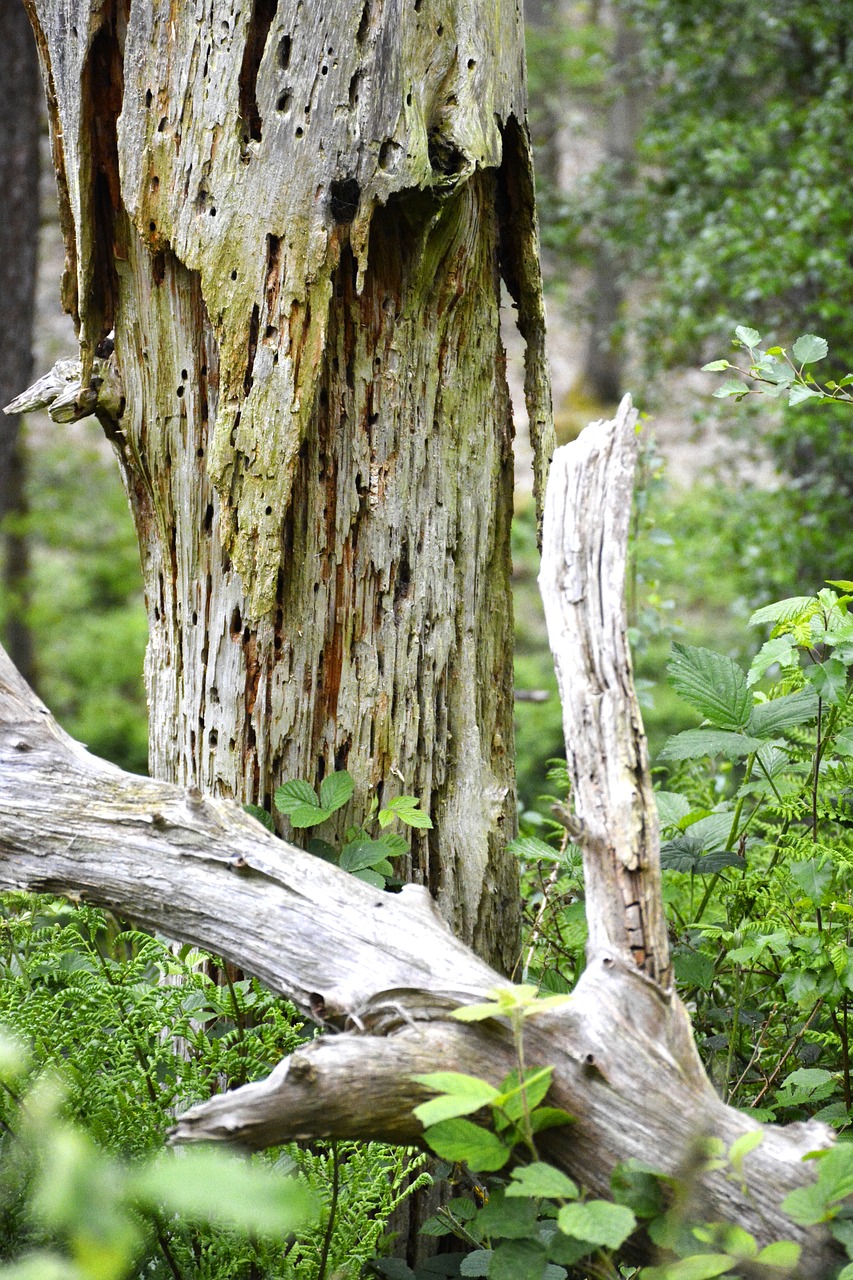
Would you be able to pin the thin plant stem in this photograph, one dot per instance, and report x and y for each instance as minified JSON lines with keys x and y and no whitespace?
{"x":333,"y":1208}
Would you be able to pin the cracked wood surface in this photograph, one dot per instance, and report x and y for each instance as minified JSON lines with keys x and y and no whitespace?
{"x":297,"y":217}
{"x":383,"y":971}
{"x":584,"y":550}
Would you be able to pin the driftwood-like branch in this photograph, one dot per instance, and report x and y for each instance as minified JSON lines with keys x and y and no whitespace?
{"x":62,"y":393}
{"x":383,"y":972}
{"x":584,"y":549}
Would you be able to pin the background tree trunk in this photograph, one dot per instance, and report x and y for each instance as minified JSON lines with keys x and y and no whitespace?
{"x":20,"y":114}
{"x":296,"y":224}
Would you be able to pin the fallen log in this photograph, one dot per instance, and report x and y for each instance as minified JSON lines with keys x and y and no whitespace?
{"x":382,"y":972}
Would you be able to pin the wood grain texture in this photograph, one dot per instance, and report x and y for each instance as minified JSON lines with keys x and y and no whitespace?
{"x":383,"y":972}
{"x":297,"y":218}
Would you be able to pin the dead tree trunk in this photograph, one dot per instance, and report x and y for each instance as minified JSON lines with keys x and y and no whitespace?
{"x":385,"y":971}
{"x":295,"y":220}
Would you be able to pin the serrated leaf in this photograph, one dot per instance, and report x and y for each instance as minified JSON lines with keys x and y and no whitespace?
{"x":532,"y":849}
{"x":716,"y":366}
{"x":693,"y":744}
{"x":549,"y":1118}
{"x":361,"y":854}
{"x":293,"y":794}
{"x":701,"y":1266}
{"x":537,"y":1084}
{"x":694,"y":969}
{"x":541,"y":1181}
{"x":712,"y":683}
{"x":749,"y":337}
{"x":768,"y":719}
{"x":809,"y":348}
{"x":407,"y":809}
{"x":829,"y":679}
{"x":513,"y":1219}
{"x":800,"y":392}
{"x":461,"y":1095}
{"x":732,"y":388}
{"x":680,"y":854}
{"x":791,"y":609}
{"x":261,"y":815}
{"x":303,"y":815}
{"x":813,"y":877}
{"x":843,"y":743}
{"x":597,"y":1221}
{"x":336,"y":790}
{"x":370,"y":876}
{"x":672,"y":807}
{"x":781,"y":649}
{"x":463,"y":1141}
{"x":476,"y":1263}
{"x":518,"y":1260}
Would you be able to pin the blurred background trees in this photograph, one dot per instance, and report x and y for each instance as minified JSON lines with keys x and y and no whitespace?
{"x":692,"y":176}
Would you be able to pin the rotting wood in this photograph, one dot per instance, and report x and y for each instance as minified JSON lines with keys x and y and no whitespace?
{"x":296,"y":219}
{"x":384,"y":971}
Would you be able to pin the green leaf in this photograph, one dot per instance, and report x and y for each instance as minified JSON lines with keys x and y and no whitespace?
{"x":792,"y":609}
{"x":805,"y":1085}
{"x":732,"y":388}
{"x":541,"y":1181}
{"x":681,"y":854}
{"x":464,"y":1141}
{"x":549,"y":1118}
{"x":407,"y":809}
{"x":537,"y":1084}
{"x":265,"y":819}
{"x":336,"y":790}
{"x":843,"y":743}
{"x":742,"y":1146}
{"x":701,"y":1266}
{"x":846,"y":1273}
{"x":781,"y":649}
{"x":716,"y":366}
{"x":672,"y":807}
{"x":207,"y":1186}
{"x":532,"y":849}
{"x":476,"y":1263}
{"x":512,"y":1219}
{"x":361,"y":854}
{"x":597,"y":1221}
{"x":371,"y":876}
{"x":783,"y":1253}
{"x":694,"y":969}
{"x":829,"y":679}
{"x":712,"y":683}
{"x":461,"y":1095}
{"x":813,"y":877}
{"x":693,"y":744}
{"x":299,"y":802}
{"x":769,"y":719}
{"x":809,"y":348}
{"x":800,"y":392}
{"x":749,"y":337}
{"x":294,"y":793}
{"x":518,"y":1260}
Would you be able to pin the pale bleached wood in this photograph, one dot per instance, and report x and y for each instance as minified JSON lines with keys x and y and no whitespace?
{"x":387,"y":971}
{"x":582,"y":581}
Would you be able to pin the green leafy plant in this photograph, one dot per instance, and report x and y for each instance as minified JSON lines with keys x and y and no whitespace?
{"x":363,"y":852}
{"x":773,"y":372}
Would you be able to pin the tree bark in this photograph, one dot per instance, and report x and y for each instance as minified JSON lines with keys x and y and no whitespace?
{"x":20,"y":114}
{"x":385,"y":971}
{"x":296,"y":223}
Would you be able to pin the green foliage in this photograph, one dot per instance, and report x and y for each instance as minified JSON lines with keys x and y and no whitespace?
{"x":102,"y":1008}
{"x":365,"y":855}
{"x":773,"y":373}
